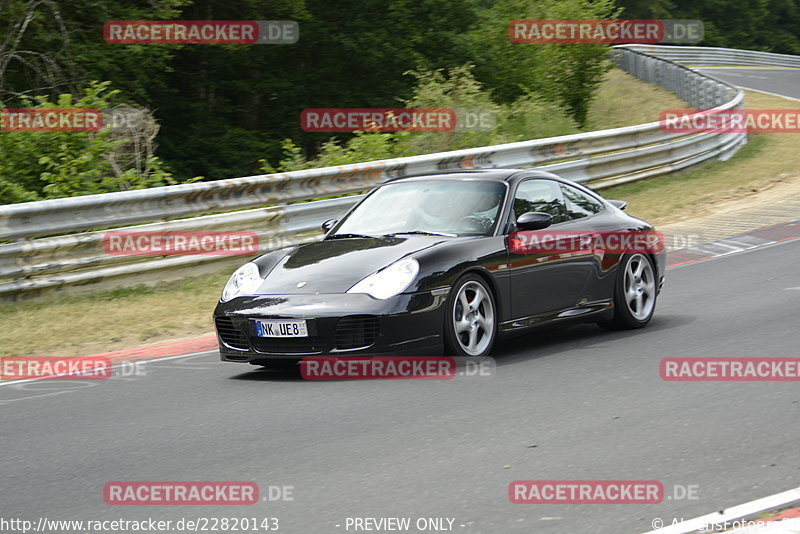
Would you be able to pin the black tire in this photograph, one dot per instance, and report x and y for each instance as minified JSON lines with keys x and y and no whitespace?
{"x":629,"y":315}
{"x":482,"y":320}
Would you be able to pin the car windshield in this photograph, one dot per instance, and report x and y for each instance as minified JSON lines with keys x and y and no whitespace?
{"x":438,"y":207}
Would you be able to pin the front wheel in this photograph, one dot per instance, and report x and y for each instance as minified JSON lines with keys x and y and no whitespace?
{"x":635,"y":293}
{"x":471,"y":320}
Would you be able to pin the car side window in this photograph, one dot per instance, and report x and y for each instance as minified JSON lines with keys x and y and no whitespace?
{"x":540,"y":195}
{"x":579,"y":204}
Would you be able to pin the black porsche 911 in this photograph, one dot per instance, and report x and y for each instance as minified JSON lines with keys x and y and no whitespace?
{"x":445,"y":263}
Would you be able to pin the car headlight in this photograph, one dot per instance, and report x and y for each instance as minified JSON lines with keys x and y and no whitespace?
{"x":389,"y":281}
{"x":243,"y":281}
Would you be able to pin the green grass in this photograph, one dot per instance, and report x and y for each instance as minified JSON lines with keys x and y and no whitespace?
{"x":767,"y":159}
{"x":623,"y":100}
{"x":87,"y":323}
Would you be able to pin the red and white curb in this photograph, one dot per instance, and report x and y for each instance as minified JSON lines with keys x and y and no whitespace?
{"x":170,"y":350}
{"x":787,"y":522}
{"x":744,"y":514}
{"x":761,"y":237}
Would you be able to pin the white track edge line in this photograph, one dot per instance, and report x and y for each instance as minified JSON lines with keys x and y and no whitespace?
{"x":733,"y":253}
{"x":113,"y":366}
{"x":732,"y":514}
{"x":770,"y":94}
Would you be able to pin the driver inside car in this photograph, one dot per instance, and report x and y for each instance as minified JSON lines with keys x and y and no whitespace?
{"x":463,"y":212}
{"x":478,"y":214}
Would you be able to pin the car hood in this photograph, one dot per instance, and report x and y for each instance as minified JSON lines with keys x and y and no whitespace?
{"x":336,"y":265}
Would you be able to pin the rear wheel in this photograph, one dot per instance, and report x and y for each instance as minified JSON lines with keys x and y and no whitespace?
{"x":471,"y":320}
{"x":634,"y":293}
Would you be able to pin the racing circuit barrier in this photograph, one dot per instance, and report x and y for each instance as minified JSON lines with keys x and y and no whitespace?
{"x":54,"y":244}
{"x":700,"y":56}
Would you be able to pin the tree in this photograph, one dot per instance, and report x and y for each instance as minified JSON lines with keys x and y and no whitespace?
{"x":48,"y":50}
{"x":563,"y":73}
{"x":35,"y":166}
{"x":225,"y":107}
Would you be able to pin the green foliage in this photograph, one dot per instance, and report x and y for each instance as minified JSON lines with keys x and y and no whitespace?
{"x":224,"y":109}
{"x":362,"y":147}
{"x":36,"y":166}
{"x":61,"y":47}
{"x":566,"y":74}
{"x":351,"y":53}
{"x":533,"y":117}
{"x":646,"y":9}
{"x":528,"y":117}
{"x":769,"y":25}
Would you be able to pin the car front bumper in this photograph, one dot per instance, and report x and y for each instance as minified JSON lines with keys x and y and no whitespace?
{"x":338,"y":325}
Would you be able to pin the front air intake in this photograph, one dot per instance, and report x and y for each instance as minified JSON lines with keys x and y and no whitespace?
{"x":230,"y":335}
{"x":356,"y":331}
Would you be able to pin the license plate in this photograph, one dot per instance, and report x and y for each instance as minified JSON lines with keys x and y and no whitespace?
{"x":281,"y":328}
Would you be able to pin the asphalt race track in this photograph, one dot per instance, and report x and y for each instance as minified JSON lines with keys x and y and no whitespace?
{"x":569,"y":403}
{"x":778,"y":81}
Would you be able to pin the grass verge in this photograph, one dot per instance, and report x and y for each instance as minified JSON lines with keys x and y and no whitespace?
{"x":768,"y":159}
{"x":90,"y":323}
{"x":624,"y":100}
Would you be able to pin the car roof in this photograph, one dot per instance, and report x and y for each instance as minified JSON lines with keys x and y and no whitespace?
{"x":509,"y":176}
{"x":495,"y":175}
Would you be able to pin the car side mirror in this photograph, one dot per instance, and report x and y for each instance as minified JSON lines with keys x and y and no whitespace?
{"x":327,"y":225}
{"x":534,"y":220}
{"x":621,"y":204}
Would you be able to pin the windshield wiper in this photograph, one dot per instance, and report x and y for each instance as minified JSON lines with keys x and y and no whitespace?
{"x":349,"y":236}
{"x":420,"y":232}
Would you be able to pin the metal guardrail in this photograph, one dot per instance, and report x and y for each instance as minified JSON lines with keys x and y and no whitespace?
{"x":80,"y":260}
{"x":602,"y":158}
{"x":700,"y":55}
